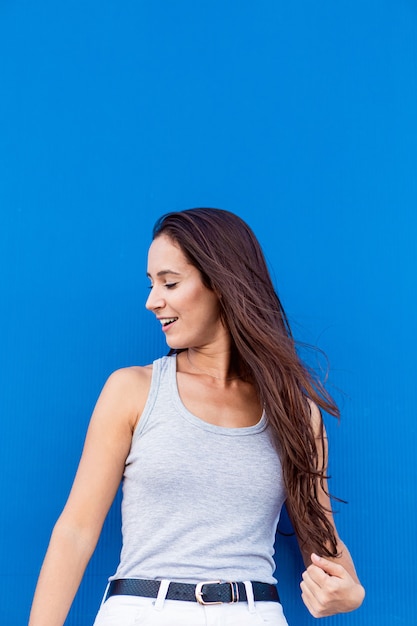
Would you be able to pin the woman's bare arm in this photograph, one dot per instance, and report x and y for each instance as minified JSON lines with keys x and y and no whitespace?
{"x":329,"y":585}
{"x":98,"y":477}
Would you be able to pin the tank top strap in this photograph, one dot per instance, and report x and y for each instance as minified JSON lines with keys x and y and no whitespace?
{"x":163,"y":377}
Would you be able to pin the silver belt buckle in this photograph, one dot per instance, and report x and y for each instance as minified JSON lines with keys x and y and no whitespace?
{"x":199,"y":592}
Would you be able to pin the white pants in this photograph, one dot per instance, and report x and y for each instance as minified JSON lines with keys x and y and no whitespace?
{"x":138,"y":611}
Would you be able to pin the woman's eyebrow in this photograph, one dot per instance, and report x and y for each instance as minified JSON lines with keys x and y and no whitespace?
{"x":164,"y":273}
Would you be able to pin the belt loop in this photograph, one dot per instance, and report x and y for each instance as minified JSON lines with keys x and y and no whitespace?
{"x":249,"y":595}
{"x":162,"y":593}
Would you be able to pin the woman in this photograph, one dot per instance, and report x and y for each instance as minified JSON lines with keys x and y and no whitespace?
{"x":209,"y":441}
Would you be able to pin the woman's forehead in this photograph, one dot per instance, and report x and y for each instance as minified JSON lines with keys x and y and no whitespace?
{"x":165,"y":256}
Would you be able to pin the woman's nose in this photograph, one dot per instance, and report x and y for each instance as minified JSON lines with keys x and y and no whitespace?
{"x":154,"y":300}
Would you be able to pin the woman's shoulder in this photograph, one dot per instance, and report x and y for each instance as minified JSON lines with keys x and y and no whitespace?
{"x":128,"y":387}
{"x":130,"y":375}
{"x":314,"y":411}
{"x":316,"y":416}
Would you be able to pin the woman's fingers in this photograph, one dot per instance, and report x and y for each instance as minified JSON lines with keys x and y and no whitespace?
{"x":327,"y":588}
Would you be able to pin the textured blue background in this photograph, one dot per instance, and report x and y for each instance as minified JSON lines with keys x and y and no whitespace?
{"x":300,"y":116}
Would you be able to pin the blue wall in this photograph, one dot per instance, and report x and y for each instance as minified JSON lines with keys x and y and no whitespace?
{"x":301,"y":117}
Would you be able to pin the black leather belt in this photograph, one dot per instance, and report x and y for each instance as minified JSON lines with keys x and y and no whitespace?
{"x":208,"y":592}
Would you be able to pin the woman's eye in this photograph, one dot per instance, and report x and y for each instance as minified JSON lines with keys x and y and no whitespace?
{"x":170,"y":285}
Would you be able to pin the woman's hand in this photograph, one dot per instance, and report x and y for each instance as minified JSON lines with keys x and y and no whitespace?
{"x":328,"y":588}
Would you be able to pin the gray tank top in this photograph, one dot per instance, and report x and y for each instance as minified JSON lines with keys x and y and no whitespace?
{"x":200,"y":502}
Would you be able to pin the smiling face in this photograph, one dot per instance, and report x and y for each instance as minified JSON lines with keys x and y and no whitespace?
{"x":188,"y":311}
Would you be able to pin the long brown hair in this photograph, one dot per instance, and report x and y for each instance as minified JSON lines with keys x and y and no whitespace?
{"x":231,"y":262}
